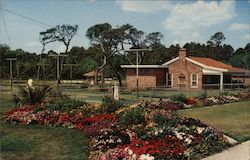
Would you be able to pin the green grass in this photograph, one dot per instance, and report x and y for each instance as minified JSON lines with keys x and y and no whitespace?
{"x":233,"y":119}
{"x":95,"y":96}
{"x":39,"y":142}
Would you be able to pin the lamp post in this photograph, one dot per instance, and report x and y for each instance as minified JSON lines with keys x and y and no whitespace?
{"x":11,"y":77}
{"x":137,"y":66}
{"x":58,"y":69}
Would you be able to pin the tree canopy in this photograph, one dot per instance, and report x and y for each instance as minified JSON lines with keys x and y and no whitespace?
{"x":107,"y":51}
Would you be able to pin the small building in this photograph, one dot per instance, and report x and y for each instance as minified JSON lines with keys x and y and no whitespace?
{"x":185,"y":73}
{"x":92,"y":77}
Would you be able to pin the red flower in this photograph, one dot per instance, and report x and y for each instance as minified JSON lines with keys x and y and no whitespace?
{"x":191,"y":101}
{"x":98,"y":118}
{"x":22,"y":109}
{"x":169,"y":146}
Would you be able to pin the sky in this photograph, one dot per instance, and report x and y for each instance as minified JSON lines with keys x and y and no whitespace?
{"x":179,"y":21}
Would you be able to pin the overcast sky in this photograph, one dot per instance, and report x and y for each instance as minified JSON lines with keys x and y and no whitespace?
{"x":179,"y":21}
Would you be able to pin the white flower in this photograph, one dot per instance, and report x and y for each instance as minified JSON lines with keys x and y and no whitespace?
{"x":134,"y":157}
{"x":156,"y":133}
{"x":179,"y":135}
{"x":146,"y":157}
{"x":119,"y":140}
{"x":188,"y":140}
{"x":130,"y":152}
{"x":200,"y":129}
{"x":111,"y":141}
{"x":161,"y":131}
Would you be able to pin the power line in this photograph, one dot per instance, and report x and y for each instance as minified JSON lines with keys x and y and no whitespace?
{"x":25,"y":17}
{"x":28,"y":18}
{"x":6,"y":30}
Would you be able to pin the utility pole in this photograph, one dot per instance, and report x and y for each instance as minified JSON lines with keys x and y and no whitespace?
{"x":11,"y":68}
{"x":137,"y":66}
{"x":58,"y":69}
{"x":43,"y":65}
{"x":71,"y":68}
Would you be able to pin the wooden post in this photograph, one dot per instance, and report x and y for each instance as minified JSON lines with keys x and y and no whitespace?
{"x":221,"y":81}
{"x":11,"y":68}
{"x":43,"y":68}
{"x":116,"y":92}
{"x":71,"y":69}
{"x":58,"y":69}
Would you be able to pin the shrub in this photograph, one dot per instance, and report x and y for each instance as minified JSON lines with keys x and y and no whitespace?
{"x":28,"y":95}
{"x":203,"y":95}
{"x":132,"y":116}
{"x":160,"y":119}
{"x":110,"y":105}
{"x":64,"y":104}
{"x":178,"y":97}
{"x":164,"y":120}
{"x":169,"y":106}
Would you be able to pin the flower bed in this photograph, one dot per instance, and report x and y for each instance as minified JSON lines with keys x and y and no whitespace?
{"x":146,"y":130}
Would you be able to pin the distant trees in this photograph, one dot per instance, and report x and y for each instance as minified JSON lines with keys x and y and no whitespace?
{"x":216,"y":39}
{"x":107,"y":52}
{"x":241,"y":57}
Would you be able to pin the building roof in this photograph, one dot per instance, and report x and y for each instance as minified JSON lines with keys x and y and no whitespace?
{"x":91,"y":74}
{"x":213,"y":63}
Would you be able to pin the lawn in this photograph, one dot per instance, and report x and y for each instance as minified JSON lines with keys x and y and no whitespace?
{"x":39,"y":142}
{"x":232,"y":119}
{"x":95,"y":95}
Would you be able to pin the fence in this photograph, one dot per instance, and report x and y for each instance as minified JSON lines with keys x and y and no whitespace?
{"x":95,"y":94}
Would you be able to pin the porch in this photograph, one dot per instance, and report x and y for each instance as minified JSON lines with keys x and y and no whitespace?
{"x":224,"y":80}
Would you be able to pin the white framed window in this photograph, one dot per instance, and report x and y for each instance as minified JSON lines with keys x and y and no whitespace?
{"x":194,"y":80}
{"x":182,"y":80}
{"x":169,"y":79}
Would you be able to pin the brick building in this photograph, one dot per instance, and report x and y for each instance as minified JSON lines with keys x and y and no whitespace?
{"x":182,"y":72}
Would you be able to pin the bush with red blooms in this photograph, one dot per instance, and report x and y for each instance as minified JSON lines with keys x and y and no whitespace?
{"x":167,"y":146}
{"x":26,"y":115}
{"x":191,"y":101}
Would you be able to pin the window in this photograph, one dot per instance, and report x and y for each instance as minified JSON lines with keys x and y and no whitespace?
{"x":169,"y":77}
{"x":194,"y":80}
{"x":182,"y":80}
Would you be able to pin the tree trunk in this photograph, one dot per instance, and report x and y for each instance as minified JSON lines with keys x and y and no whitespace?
{"x":67,"y":48}
{"x":112,"y":66}
{"x":40,"y":62}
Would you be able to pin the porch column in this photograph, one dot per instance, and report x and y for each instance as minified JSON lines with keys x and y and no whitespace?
{"x":221,"y":81}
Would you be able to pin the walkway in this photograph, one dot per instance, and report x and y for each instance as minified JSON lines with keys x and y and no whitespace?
{"x":238,"y":152}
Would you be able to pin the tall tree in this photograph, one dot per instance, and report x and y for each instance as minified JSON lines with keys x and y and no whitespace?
{"x":65,"y":33}
{"x":45,"y":38}
{"x":216,"y":39}
{"x":112,"y":41}
{"x":214,"y":44}
{"x":154,"y":38}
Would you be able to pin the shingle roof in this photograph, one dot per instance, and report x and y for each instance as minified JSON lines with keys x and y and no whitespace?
{"x":213,"y":63}
{"x":91,"y":74}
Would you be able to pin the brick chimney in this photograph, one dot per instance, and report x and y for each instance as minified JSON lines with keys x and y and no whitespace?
{"x":182,"y":54}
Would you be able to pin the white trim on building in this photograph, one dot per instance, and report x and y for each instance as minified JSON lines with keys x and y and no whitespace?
{"x":143,"y":66}
{"x":171,"y":61}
